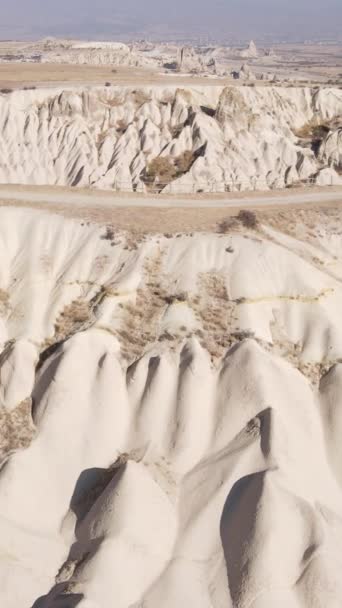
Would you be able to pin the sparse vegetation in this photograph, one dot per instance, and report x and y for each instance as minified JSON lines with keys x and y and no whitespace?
{"x":245,"y":217}
{"x":248,"y":218}
{"x":4,"y":302}
{"x":109,"y":234}
{"x":245,"y":334}
{"x":184,"y":162}
{"x":16,"y":428}
{"x":227,"y":225}
{"x":178,"y":297}
{"x":215,"y":312}
{"x":313,"y":130}
{"x":163,"y":169}
{"x":140,"y":318}
{"x":71,"y":318}
{"x":160,"y":172}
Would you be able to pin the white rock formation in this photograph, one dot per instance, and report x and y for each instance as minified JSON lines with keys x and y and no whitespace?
{"x":97,"y":45}
{"x":95,"y":56}
{"x":194,"y":467}
{"x":245,"y":73}
{"x":189,"y":61}
{"x":328,"y":177}
{"x":237,"y":137}
{"x":331,"y":148}
{"x":251,"y":52}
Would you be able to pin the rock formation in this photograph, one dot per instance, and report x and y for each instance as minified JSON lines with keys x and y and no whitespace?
{"x":209,"y":138}
{"x":245,"y":73}
{"x":185,"y":440}
{"x":251,"y":52}
{"x":189,"y":61}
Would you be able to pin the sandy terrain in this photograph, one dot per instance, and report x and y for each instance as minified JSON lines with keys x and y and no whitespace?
{"x":32,"y":74}
{"x":45,"y":75}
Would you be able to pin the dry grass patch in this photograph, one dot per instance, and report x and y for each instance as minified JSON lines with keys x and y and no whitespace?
{"x":71,"y":319}
{"x":245,"y":217}
{"x":184,"y":162}
{"x":139,"y":326}
{"x":16,"y":428}
{"x":227,"y":225}
{"x":313,"y":130}
{"x":248,"y":219}
{"x":160,"y":172}
{"x":216,"y":314}
{"x":4,"y":302}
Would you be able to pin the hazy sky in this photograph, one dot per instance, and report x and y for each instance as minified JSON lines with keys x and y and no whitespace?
{"x":304,"y":18}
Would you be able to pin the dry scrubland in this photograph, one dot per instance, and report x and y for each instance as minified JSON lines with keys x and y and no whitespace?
{"x":184,"y":393}
{"x":31,"y":74}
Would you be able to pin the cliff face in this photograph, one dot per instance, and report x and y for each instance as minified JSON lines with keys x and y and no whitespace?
{"x":185,"y":443}
{"x":211,"y":139}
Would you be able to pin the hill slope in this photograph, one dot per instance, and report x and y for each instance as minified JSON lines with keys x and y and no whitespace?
{"x":185,"y":399}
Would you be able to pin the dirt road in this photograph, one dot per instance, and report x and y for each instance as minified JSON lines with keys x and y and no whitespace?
{"x":100,"y":198}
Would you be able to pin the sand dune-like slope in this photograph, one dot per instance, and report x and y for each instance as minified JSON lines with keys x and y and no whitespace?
{"x":165,"y":138}
{"x":185,"y":390}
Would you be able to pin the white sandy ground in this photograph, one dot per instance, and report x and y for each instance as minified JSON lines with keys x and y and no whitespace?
{"x":207,"y":367}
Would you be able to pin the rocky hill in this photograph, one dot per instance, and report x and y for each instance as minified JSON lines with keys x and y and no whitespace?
{"x":170,"y":414}
{"x":171,"y":139}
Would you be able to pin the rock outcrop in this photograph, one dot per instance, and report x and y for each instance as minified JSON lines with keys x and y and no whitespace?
{"x":209,"y":138}
{"x":251,"y":52}
{"x":180,"y":398}
{"x":245,"y":73}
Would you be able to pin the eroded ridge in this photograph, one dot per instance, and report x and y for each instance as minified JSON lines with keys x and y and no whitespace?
{"x":169,"y":408}
{"x":172,"y":139}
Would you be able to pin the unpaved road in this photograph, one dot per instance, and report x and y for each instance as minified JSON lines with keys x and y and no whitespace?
{"x":98,"y":198}
{"x":185,"y":214}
